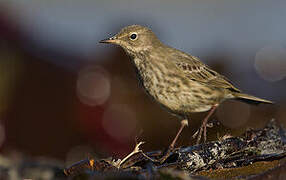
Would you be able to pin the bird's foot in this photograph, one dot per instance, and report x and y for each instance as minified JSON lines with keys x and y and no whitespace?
{"x":200,"y":131}
{"x":198,"y":135}
{"x":172,"y":145}
{"x":203,"y":128}
{"x":166,"y":154}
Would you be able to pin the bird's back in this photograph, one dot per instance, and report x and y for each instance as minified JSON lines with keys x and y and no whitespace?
{"x":197,"y":71}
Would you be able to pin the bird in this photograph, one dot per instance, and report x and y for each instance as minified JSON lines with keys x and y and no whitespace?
{"x":180,"y":82}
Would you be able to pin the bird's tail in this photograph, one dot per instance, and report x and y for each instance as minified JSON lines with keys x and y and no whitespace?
{"x":250,"y":99}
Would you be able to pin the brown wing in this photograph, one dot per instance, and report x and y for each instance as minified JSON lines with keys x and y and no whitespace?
{"x":197,"y":71}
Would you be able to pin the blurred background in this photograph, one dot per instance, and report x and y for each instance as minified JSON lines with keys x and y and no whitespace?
{"x":64,"y":96}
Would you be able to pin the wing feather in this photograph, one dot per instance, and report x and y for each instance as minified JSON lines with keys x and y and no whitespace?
{"x":197,"y":71}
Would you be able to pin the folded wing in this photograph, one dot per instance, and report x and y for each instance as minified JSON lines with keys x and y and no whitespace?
{"x":197,"y":71}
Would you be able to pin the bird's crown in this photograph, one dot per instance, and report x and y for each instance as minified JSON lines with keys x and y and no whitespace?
{"x":134,"y":38}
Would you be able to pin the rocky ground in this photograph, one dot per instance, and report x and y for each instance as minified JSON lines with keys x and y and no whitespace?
{"x":258,"y":154}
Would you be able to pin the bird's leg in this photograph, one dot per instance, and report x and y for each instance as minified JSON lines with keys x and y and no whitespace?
{"x":172,"y":145}
{"x":203,"y":127}
{"x":183,"y":124}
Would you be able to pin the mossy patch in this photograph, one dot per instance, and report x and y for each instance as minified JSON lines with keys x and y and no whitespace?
{"x":252,"y":169}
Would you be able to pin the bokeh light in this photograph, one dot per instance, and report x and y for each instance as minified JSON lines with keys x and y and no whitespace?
{"x":270,"y":62}
{"x":233,"y":114}
{"x":93,"y":85}
{"x":120,"y":122}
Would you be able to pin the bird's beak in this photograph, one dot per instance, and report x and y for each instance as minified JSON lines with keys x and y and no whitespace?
{"x":112,"y":40}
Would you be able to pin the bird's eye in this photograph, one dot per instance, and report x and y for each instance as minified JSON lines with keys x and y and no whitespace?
{"x":133,"y":36}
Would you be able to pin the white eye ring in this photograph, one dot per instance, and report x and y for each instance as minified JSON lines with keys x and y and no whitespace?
{"x":133,"y":36}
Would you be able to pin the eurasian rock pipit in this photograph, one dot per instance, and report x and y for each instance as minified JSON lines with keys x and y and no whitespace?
{"x":178,"y":81}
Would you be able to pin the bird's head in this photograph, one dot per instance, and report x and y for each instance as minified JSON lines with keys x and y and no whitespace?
{"x":134,"y":39}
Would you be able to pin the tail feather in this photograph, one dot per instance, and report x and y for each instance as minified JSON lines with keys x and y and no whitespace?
{"x":250,"y":99}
